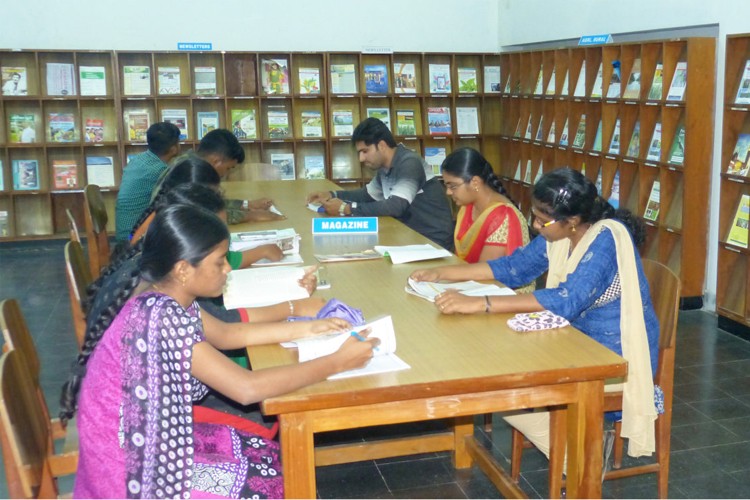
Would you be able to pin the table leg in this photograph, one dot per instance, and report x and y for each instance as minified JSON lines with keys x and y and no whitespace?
{"x":462,"y":427}
{"x":297,"y":455}
{"x":585,"y":427}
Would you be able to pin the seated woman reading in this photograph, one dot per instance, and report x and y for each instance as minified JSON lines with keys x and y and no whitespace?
{"x":140,"y":371}
{"x":595,"y":281}
{"x":488,"y":225}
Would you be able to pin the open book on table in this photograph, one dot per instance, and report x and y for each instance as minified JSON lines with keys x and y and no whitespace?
{"x":286,"y":239}
{"x":263,"y":286}
{"x":412,"y":253}
{"x":384,"y":359}
{"x":429,"y":290}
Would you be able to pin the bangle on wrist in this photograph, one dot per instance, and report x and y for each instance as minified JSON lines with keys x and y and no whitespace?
{"x":487,"y":303}
{"x":291,"y":307}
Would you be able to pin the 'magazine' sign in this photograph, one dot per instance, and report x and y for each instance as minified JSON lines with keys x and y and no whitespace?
{"x":338,"y":225}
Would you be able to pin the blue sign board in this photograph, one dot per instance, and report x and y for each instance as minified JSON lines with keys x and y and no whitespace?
{"x":595,"y":39}
{"x":194,"y":46}
{"x":339,"y":225}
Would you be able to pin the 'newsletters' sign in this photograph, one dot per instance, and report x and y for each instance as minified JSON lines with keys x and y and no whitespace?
{"x":338,"y":225}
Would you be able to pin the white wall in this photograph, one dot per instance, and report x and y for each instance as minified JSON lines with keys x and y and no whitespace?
{"x":534,"y":21}
{"x":282,"y":25}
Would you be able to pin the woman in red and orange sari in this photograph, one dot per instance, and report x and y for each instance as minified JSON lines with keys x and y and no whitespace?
{"x":488,"y":225}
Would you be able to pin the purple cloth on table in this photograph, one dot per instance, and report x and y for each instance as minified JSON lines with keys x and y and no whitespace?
{"x":334,"y":308}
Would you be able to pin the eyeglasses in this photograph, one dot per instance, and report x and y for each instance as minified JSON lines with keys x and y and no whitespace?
{"x":542,"y":224}
{"x":452,"y":187}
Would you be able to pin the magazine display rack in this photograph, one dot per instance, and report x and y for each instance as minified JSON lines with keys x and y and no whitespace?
{"x":732,"y":304}
{"x":637,"y":119}
{"x":68,"y":118}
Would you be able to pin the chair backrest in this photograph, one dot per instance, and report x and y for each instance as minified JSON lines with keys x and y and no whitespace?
{"x":24,"y":432}
{"x":96,"y":229}
{"x":255,"y":172}
{"x":665,"y":295}
{"x":75,"y":235}
{"x":79,"y":278}
{"x":17,"y":336}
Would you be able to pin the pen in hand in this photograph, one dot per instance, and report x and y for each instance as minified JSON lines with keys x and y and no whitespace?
{"x":361,"y":338}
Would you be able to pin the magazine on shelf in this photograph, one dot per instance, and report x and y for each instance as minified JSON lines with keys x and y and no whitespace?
{"x":654,"y":200}
{"x":315,"y":167}
{"x":136,"y":80}
{"x":93,"y":80}
{"x":654,"y":148}
{"x":614,"y":144}
{"x":62,"y":127}
{"x":65,"y":174}
{"x":656,"y":84}
{"x":404,"y":78}
{"x":312,"y":124}
{"x":614,"y":196}
{"x":564,"y":134}
{"x":439,"y":120}
{"x":137,"y":122}
{"x":540,"y":130}
{"x":743,"y":91}
{"x":343,"y":123}
{"x":633,"y":87}
{"x":343,"y":79}
{"x":61,"y":79}
{"x":22,"y":128}
{"x":278,"y":122}
{"x":467,"y":80}
{"x":264,"y":286}
{"x":615,"y":82}
{"x":376,"y":79}
{"x":100,"y":170}
{"x":565,"y":86}
{"x":274,"y":76}
{"x":14,"y":80}
{"x":539,"y":88}
{"x":676,"y":90}
{"x":580,"y":90}
{"x":434,"y":158}
{"x":440,"y":78}
{"x":382,"y":114}
{"x":634,"y":148}
{"x":177,"y":117}
{"x":739,"y":160}
{"x":94,"y":131}
{"x":25,"y":175}
{"x":284,"y":162}
{"x":738,"y":232}
{"x":384,"y":359}
{"x":244,"y":125}
{"x":309,"y":80}
{"x":169,"y":80}
{"x":205,"y":80}
{"x":492,"y":80}
{"x":580,"y":138}
{"x":405,"y":124}
{"x":551,"y":84}
{"x":596,"y":90}
{"x":677,"y":151}
{"x":551,"y":133}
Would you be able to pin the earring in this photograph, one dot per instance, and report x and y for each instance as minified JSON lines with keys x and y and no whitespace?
{"x":476,"y":188}
{"x":183,"y":280}
{"x":573,"y":228}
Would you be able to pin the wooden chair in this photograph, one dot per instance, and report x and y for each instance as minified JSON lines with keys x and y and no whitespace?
{"x":75,"y":235}
{"x":31,"y":466}
{"x":665,"y":296}
{"x":78,"y":276}
{"x":96,"y":229}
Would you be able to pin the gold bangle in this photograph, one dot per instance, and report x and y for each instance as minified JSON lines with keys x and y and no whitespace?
{"x":291,"y":307}
{"x":487,"y":303}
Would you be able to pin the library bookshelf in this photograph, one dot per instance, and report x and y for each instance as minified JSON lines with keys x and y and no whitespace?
{"x":732,"y":304}
{"x":671,"y":135}
{"x":283,"y":105}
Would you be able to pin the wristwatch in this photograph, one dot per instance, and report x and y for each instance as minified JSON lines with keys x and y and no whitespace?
{"x":342,"y":207}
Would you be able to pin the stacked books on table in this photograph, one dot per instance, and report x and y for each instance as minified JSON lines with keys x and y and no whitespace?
{"x":428,"y":290}
{"x":286,"y":239}
{"x":384,"y":358}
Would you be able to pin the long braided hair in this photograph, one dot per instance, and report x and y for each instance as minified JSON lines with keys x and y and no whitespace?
{"x":566,"y":193}
{"x":466,"y":163}
{"x":178,"y":232}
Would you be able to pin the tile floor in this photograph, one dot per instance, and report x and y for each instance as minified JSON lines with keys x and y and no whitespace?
{"x":710,"y":434}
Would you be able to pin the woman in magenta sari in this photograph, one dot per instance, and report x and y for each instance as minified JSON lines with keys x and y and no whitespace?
{"x":147,"y":360}
{"x":488,"y":225}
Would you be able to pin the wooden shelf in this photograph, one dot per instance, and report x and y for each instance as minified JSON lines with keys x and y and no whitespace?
{"x":678,"y":236}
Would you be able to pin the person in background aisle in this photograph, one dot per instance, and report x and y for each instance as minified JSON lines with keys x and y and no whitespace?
{"x":595,"y":281}
{"x":488,"y":225}
{"x":142,"y":174}
{"x":224,"y":152}
{"x":141,"y":369}
{"x":404,"y":187}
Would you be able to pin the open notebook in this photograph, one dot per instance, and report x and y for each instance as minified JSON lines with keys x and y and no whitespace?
{"x":263,"y":286}
{"x":429,"y":290}
{"x":384,"y":359}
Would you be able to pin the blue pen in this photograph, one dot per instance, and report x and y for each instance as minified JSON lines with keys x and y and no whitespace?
{"x":361,"y":338}
{"x":321,"y":209}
